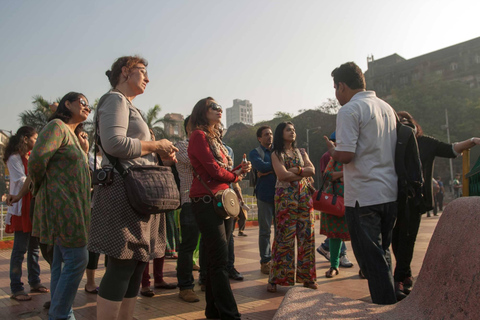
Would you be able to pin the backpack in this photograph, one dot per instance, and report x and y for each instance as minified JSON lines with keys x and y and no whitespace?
{"x":408,"y":168}
{"x":253,"y":178}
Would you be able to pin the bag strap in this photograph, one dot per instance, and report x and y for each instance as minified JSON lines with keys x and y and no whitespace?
{"x":203,"y":182}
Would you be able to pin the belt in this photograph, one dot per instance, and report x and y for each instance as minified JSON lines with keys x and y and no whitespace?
{"x":205,"y":199}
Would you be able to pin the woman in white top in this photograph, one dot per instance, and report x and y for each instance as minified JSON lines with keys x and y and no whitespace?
{"x":18,"y":218}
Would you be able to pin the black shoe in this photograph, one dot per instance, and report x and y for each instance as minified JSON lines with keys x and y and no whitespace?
{"x":46,"y":305}
{"x":235,"y":275}
{"x":399,"y":291}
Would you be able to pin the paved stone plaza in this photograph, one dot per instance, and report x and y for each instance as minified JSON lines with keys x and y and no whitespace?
{"x":253,"y":300}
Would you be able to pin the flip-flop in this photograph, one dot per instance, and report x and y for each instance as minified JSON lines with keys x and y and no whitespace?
{"x":16,"y":295}
{"x":94,"y":291}
{"x":148,"y":293}
{"x":39,"y":288}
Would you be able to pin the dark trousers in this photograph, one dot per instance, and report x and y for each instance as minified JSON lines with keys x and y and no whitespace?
{"x":157,"y":272}
{"x":220,"y":302}
{"x":440,"y":201}
{"x":231,"y":244}
{"x":93,"y":260}
{"x":403,"y":239}
{"x":189,"y":230}
{"x":242,"y":219}
{"x":371,"y":233}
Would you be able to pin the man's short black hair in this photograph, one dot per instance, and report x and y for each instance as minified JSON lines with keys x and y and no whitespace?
{"x":260,"y":130}
{"x":350,"y":74}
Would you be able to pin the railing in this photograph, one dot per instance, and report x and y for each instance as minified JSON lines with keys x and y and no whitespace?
{"x":3,"y":213}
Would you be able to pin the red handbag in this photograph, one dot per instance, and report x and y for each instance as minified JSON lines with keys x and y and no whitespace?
{"x":328,"y":203}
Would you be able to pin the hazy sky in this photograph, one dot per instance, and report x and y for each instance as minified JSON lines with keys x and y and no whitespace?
{"x":277,"y":54}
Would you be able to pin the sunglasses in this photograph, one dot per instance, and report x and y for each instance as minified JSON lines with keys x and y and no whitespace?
{"x":84,"y":103}
{"x":216,"y":107}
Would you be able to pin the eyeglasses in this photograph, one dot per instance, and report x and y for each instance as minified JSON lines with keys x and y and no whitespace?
{"x":216,"y":107}
{"x":142,"y":70}
{"x":84,"y":103}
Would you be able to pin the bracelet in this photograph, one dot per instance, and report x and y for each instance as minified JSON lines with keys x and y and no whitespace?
{"x":299,"y":171}
{"x":472,"y":140}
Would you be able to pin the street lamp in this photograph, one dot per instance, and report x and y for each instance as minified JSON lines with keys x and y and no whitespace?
{"x":308,"y":145}
{"x":445,"y":126}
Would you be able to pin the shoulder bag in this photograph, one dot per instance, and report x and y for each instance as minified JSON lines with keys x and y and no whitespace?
{"x":225,"y":202}
{"x":151,"y":189}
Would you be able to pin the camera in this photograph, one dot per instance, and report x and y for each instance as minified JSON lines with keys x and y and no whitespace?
{"x":103,"y":176}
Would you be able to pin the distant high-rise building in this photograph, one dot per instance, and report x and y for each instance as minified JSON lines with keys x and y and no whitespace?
{"x":241,"y":111}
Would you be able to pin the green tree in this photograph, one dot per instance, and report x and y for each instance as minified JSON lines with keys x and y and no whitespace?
{"x":427,"y":103}
{"x":39,"y":115}
{"x":157,"y":124}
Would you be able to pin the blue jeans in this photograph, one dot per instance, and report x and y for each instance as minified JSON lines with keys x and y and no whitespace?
{"x":23,"y":242}
{"x":371,"y":233}
{"x":266,"y":214}
{"x":68,"y":267}
{"x":326,"y":246}
{"x":189,"y":230}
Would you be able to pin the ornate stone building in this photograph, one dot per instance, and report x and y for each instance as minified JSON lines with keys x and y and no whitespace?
{"x":459,"y":62}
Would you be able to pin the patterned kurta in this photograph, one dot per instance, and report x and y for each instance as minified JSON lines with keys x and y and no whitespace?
{"x":58,"y":168}
{"x":294,"y":219}
{"x":332,"y":226}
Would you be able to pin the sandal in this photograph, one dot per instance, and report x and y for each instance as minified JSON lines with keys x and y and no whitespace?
{"x":147,"y":293}
{"x":311,"y":285}
{"x":94,"y":291}
{"x":21,"y":296}
{"x":331,"y":272}
{"x":39,"y":288}
{"x":271,"y":287}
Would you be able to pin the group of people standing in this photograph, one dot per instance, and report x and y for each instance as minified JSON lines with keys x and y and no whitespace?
{"x":55,"y":169}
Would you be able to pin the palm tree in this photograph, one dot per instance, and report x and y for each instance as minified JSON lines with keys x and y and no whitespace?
{"x":38,"y":117}
{"x":152,"y":120}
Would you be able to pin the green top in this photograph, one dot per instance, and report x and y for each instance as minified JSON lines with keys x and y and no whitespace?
{"x":59,"y":170}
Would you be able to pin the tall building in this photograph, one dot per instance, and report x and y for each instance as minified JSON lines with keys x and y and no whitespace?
{"x":241,"y":111}
{"x":460,"y":62}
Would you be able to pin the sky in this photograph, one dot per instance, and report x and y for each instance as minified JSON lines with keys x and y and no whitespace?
{"x":276,"y":53}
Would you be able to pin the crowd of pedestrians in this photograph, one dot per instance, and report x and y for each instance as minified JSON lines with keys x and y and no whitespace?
{"x":53,"y":206}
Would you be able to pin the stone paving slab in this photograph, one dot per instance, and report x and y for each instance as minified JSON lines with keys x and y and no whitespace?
{"x":254,"y":302}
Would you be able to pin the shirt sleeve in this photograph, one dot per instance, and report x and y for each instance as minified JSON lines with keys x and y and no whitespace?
{"x":113,"y":119}
{"x":182,"y":154}
{"x":348,"y":129}
{"x":201,"y":151}
{"x":16,"y":169}
{"x":49,"y":141}
{"x":259,"y":164}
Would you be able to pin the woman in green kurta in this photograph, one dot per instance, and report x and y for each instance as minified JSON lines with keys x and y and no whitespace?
{"x":335,"y":228}
{"x":59,"y":170}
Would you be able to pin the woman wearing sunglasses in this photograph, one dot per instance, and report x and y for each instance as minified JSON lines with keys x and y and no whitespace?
{"x":129,"y":239}
{"x":210,"y":160}
{"x":58,"y":167}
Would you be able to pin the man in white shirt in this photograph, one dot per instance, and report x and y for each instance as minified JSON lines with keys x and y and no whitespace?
{"x":366,"y":138}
